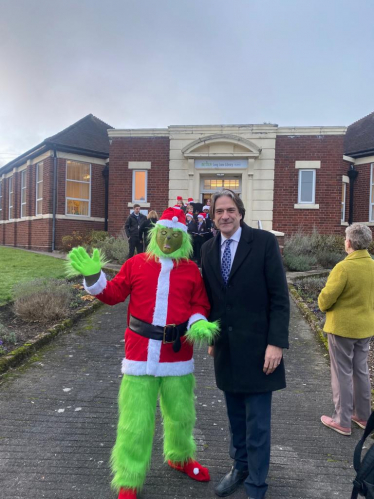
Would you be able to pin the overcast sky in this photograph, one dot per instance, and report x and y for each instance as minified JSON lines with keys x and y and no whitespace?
{"x":154,"y":63}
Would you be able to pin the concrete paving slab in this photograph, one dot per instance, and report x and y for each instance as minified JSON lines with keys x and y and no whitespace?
{"x":58,"y":419}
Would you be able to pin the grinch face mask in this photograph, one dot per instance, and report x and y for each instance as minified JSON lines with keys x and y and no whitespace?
{"x":169,"y":240}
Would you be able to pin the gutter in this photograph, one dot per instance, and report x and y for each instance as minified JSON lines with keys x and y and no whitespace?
{"x":54,"y":198}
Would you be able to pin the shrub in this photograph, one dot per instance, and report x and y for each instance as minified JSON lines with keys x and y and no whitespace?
{"x":69,"y":242}
{"x":10,"y":338}
{"x":42,"y":300}
{"x":311,"y":286}
{"x":299,"y":263}
{"x":328,"y":259}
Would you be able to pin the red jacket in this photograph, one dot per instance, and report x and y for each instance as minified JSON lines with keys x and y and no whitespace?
{"x":161,"y":292}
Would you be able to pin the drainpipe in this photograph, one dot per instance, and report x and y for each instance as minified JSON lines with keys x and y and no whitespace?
{"x":352,"y":174}
{"x":105,"y":174}
{"x":54,"y":198}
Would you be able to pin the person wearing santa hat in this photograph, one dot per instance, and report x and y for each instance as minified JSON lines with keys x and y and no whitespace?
{"x":191,"y":224}
{"x":199,"y":237}
{"x":181,"y":204}
{"x":208,"y":223}
{"x":161,"y":328}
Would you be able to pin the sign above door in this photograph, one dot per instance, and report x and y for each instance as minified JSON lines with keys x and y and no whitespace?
{"x":221,"y":164}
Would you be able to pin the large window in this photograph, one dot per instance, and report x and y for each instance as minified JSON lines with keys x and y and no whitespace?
{"x":39,"y":189}
{"x":221,"y":183}
{"x":1,"y":200}
{"x":10,"y":198}
{"x":344,"y":195}
{"x":307,"y":186}
{"x":371,"y":214}
{"x":139,"y":185}
{"x":23,"y":193}
{"x":78,"y":188}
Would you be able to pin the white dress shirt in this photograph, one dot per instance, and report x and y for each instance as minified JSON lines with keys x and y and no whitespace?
{"x":233,"y":246}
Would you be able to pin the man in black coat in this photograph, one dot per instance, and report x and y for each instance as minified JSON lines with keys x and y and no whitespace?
{"x":247,"y":290}
{"x":132,"y":226}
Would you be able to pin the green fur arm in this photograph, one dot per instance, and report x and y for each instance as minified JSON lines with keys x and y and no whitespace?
{"x":80,"y":263}
{"x":203,"y":331}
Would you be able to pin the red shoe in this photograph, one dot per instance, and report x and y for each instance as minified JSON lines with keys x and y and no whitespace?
{"x":193,"y":469}
{"x":330,"y":423}
{"x":359,"y":422}
{"x":127,"y":493}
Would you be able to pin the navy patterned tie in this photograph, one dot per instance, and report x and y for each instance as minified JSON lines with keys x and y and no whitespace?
{"x":226,"y":261}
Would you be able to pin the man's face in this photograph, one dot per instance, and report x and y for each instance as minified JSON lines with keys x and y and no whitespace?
{"x":137,"y":210}
{"x":169,"y":240}
{"x":226,"y":216}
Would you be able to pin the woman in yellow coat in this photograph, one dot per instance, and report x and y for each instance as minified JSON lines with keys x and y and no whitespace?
{"x":348,"y":300}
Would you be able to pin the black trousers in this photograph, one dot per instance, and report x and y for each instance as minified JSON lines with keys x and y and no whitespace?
{"x":134,"y":242}
{"x":249,"y":417}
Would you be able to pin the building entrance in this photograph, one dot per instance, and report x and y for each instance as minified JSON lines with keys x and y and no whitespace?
{"x":212,"y":183}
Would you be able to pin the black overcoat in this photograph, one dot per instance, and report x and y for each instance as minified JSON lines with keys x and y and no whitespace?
{"x":253,"y":310}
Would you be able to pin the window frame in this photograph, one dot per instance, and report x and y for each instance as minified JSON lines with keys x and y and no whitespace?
{"x":23,"y":188}
{"x":133,"y":186}
{"x":10,"y":200}
{"x":79,"y":182}
{"x":371,"y":197}
{"x":299,"y":201}
{"x":343,"y":203}
{"x":36,"y":188}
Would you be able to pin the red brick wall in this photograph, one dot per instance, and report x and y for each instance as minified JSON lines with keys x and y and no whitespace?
{"x":37,"y":233}
{"x":123,"y":150}
{"x":329,"y":150}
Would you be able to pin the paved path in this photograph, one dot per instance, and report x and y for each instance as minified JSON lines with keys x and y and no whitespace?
{"x":58,"y":418}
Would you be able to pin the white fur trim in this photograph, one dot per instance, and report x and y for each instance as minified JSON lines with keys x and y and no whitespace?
{"x":139,"y":368}
{"x":201,"y":216}
{"x":162,"y":293}
{"x":172,"y":225}
{"x":194,"y":318}
{"x":153,"y":359}
{"x":206,"y":207}
{"x":98,"y":287}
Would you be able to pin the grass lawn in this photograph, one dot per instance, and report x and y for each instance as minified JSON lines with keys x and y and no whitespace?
{"x":17,"y":265}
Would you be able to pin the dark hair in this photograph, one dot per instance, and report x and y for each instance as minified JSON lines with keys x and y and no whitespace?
{"x":230,"y":194}
{"x":136,"y":206}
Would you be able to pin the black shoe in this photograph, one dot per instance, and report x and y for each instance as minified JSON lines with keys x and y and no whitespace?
{"x":230,"y":482}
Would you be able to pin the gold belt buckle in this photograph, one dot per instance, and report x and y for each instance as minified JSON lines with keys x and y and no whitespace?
{"x":164,"y":342}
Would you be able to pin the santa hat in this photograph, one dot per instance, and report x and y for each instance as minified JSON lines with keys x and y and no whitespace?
{"x":176,"y":207}
{"x":189,"y":214}
{"x":201,"y":215}
{"x":173,"y":218}
{"x":206,"y":207}
{"x":190,"y":200}
{"x":179,"y":198}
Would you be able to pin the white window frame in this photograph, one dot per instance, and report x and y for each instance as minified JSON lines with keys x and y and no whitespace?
{"x":299,"y":200}
{"x":36,"y":191}
{"x":140,"y":201}
{"x":343,"y":203}
{"x":23,"y":188}
{"x":10,"y":202}
{"x":79,"y":182}
{"x":371,"y":197}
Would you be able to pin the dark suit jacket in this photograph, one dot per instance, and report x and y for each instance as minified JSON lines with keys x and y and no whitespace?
{"x":253,"y":310}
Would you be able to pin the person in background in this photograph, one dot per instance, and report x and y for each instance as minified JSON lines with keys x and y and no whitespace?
{"x":132,"y":226}
{"x":348,"y":300}
{"x":181,"y":204}
{"x":208,"y":202}
{"x":199,"y":237}
{"x":246,"y":284}
{"x":208,"y":223}
{"x":146,"y":226}
{"x":191,"y":224}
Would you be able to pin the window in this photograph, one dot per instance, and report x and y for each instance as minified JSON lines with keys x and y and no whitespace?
{"x":39,"y":189}
{"x":344,"y":192}
{"x":371,"y":214}
{"x":139,"y":185}
{"x":307,"y":186}
{"x":78,"y":188}
{"x":10,"y":198}
{"x":220,"y":183}
{"x":23,"y":193}
{"x":1,"y":199}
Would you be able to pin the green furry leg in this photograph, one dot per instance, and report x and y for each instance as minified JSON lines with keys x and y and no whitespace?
{"x":131,"y":454}
{"x":178,"y":410}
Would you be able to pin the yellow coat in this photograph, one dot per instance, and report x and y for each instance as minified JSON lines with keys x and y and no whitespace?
{"x":348,"y":297}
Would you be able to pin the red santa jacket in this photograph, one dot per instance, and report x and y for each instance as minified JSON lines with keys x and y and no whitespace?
{"x":161,"y":292}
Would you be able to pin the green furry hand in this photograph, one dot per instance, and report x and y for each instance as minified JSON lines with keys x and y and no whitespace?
{"x":203,"y":331}
{"x":81,"y":262}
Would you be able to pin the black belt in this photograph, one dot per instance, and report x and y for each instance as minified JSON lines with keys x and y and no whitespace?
{"x":171,"y":333}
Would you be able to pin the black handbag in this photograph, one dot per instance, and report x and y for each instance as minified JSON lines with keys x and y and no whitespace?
{"x":363,"y":484}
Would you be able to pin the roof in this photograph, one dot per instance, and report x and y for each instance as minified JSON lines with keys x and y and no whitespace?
{"x":88,"y":136}
{"x":359,"y":139}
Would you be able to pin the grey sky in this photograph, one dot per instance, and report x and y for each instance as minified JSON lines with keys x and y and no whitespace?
{"x":154,"y":63}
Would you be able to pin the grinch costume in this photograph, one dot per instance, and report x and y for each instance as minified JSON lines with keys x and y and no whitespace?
{"x":167,"y":312}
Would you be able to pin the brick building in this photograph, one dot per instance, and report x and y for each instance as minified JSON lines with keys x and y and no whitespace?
{"x":289,"y":178}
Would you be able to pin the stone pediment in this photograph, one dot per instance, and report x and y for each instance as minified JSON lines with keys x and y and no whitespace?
{"x":221,"y":145}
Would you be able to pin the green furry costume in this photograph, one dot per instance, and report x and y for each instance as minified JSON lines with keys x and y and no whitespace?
{"x":165,"y":289}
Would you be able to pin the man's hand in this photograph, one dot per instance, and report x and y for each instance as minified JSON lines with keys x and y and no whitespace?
{"x":211,"y":351}
{"x":273,"y":357}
